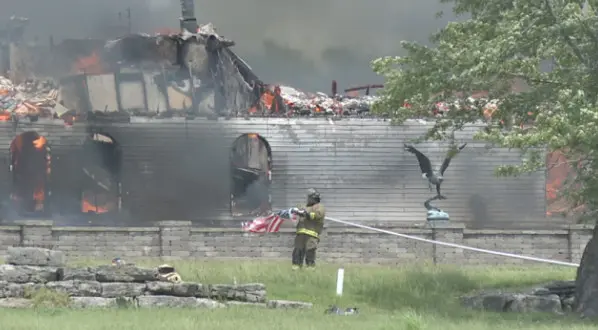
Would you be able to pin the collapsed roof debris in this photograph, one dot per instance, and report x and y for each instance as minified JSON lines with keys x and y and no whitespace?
{"x":31,"y":99}
{"x":205,"y":55}
{"x":296,"y":102}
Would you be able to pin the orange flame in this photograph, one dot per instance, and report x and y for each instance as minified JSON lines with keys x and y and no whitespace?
{"x":90,"y":65}
{"x":40,"y":142}
{"x":5,"y":116}
{"x":39,"y":195}
{"x":557,"y":174}
{"x":271,"y":99}
{"x":87,"y":206}
{"x":167,"y":31}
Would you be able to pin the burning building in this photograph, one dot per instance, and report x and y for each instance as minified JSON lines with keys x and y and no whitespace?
{"x":179,"y":127}
{"x":219,"y":171}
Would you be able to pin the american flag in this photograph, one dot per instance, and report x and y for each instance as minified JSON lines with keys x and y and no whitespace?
{"x":268,"y":224}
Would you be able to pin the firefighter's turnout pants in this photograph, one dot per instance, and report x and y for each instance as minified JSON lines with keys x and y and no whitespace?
{"x":305,"y":249}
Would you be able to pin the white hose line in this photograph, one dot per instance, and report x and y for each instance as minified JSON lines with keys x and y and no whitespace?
{"x":464,"y":247}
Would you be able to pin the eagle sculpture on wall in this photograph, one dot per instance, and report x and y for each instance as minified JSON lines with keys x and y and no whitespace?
{"x":434,"y":177}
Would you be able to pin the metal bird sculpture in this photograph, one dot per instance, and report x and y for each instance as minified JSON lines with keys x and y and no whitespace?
{"x":434,"y":178}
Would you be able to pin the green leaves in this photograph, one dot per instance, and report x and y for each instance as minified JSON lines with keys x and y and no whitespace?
{"x":547,"y":48}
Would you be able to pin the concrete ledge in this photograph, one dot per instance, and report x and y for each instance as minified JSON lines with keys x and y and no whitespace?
{"x":584,"y":226}
{"x":514,"y":232}
{"x":10,"y":228}
{"x":333,"y":230}
{"x":224,"y":230}
{"x":174,"y":223}
{"x":340,"y":230}
{"x":33,"y":223}
{"x":177,"y":240}
{"x":445,"y":225}
{"x":106,"y":229}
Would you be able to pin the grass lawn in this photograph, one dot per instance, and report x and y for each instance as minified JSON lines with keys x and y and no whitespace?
{"x":411,"y":297}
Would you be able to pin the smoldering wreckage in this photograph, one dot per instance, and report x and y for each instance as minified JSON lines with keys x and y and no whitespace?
{"x":54,"y":127}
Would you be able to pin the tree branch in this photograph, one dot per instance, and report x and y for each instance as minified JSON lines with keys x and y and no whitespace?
{"x":566,"y":37}
{"x":533,"y":80}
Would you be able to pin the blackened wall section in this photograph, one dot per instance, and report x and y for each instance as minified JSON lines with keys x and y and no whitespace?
{"x":177,"y":169}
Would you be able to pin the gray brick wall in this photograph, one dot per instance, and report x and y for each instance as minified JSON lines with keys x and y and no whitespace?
{"x":179,"y":240}
{"x":107,"y":242}
{"x":358,"y":164}
{"x":179,"y":169}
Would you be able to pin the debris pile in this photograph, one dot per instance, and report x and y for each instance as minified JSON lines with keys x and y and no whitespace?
{"x":33,"y":98}
{"x":296,"y":102}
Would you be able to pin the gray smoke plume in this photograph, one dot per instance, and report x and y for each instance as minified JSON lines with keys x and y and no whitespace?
{"x":301,"y":43}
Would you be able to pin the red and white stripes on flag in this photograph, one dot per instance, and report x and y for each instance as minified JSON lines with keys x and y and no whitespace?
{"x":265,"y":224}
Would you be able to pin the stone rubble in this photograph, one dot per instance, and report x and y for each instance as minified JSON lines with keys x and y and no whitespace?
{"x":555,"y":297}
{"x":32,"y":269}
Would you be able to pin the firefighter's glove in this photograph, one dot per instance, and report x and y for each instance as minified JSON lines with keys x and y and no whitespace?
{"x":300,"y":212}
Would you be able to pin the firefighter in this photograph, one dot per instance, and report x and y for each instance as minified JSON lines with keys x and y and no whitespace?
{"x":309,"y":227}
{"x":168,"y":273}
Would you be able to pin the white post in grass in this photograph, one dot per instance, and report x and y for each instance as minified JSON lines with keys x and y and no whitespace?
{"x":340,"y":278}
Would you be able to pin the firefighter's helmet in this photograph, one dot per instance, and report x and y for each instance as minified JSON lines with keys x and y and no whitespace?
{"x":313,"y":194}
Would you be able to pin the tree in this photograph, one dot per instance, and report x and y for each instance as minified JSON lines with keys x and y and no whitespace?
{"x":551,"y":46}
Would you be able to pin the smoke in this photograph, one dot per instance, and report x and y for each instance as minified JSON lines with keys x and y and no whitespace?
{"x":303,"y":43}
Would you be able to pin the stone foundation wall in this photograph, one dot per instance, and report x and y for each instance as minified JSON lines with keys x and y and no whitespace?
{"x":177,"y":239}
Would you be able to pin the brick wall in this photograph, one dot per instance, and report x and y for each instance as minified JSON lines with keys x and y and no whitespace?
{"x":178,"y":239}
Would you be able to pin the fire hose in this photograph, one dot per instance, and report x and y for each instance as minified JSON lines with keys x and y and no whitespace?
{"x":457,"y":246}
{"x":272,"y":223}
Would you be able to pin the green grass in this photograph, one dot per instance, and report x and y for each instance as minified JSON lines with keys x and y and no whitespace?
{"x":409,"y":297}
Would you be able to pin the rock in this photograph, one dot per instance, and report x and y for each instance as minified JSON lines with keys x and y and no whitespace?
{"x":288,"y":304}
{"x":561,"y":287}
{"x":29,"y":256}
{"x":251,"y":287}
{"x":244,"y":303}
{"x":529,"y":303}
{"x":125,"y":273}
{"x":127,"y":289}
{"x":165,"y":301}
{"x":252,"y":292}
{"x":83,"y":274}
{"x":568,"y":303}
{"x":160,"y":288}
{"x":98,"y":302}
{"x":15,"y":303}
{"x":27,"y":274}
{"x":16,"y":290}
{"x":177,"y":302}
{"x":92,"y":302}
{"x":541,"y":291}
{"x":77,"y":288}
{"x":513,"y":302}
{"x":209,"y":303}
{"x":187,"y":289}
{"x":254,"y":296}
{"x":489,"y":301}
